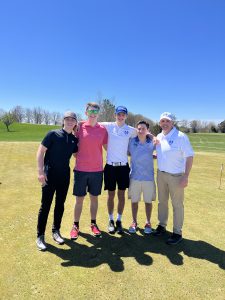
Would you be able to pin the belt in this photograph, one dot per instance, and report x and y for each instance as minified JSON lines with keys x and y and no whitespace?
{"x":116,"y":164}
{"x":176,"y":174}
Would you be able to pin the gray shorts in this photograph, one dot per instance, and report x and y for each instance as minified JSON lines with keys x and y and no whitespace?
{"x":90,"y":182}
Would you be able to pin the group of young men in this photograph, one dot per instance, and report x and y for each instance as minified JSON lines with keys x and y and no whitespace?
{"x":86,"y":141}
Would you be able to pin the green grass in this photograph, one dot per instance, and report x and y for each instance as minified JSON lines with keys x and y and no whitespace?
{"x":207,"y":142}
{"x":113,"y":267}
{"x":24,"y":132}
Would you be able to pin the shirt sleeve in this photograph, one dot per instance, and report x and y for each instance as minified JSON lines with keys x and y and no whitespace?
{"x":75,"y":146}
{"x":48,"y":139}
{"x":186,"y":147}
{"x":133,"y":132}
{"x":105,"y":140}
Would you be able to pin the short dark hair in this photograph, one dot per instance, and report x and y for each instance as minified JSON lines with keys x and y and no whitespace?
{"x":92,"y":104}
{"x":143,"y":122}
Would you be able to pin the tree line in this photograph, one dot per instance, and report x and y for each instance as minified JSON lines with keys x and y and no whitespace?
{"x":38,"y":115}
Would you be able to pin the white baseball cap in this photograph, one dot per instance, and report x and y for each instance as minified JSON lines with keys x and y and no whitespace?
{"x":167,"y":115}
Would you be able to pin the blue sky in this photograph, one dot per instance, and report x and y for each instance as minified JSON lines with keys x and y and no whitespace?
{"x":151,"y":56}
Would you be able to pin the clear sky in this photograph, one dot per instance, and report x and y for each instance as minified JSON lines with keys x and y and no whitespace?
{"x":149,"y":55}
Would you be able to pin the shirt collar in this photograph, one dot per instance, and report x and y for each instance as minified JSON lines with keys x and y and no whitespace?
{"x":167,"y":136}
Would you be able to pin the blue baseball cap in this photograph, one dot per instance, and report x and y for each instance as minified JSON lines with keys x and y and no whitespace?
{"x":121,"y":109}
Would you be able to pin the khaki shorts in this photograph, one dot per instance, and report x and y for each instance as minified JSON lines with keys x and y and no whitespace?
{"x":137,"y":188}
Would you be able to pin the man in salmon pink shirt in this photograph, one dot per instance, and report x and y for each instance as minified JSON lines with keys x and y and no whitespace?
{"x":88,"y":172}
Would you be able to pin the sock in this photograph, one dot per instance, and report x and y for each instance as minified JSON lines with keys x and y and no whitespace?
{"x":93,"y":221}
{"x":119,"y":217}
{"x":111,"y":217}
{"x":76,"y":224}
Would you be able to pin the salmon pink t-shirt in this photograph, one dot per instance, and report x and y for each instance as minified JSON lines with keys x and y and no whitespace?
{"x":89,"y":155}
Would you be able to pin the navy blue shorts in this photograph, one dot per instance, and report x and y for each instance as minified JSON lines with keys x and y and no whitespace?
{"x":116,"y":176}
{"x":90,"y":182}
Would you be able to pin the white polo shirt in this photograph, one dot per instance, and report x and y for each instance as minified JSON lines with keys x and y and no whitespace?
{"x":172,"y":151}
{"x":118,"y":140}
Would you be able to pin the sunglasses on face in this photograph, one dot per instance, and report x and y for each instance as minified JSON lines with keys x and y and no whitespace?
{"x":92,"y":111}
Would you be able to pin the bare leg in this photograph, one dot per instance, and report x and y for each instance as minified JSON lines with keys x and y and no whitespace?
{"x":78,"y":208}
{"x":93,"y":206}
{"x":121,"y":201}
{"x":110,"y":202}
{"x":134,"y":207}
{"x":148,"y":211}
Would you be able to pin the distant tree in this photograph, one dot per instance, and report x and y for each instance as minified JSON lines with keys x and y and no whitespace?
{"x":1,"y":112}
{"x":107,"y":110}
{"x":18,"y":113}
{"x":7,"y":118}
{"x":184,"y":126}
{"x":38,"y":115}
{"x":156,"y":129}
{"x":131,"y":119}
{"x":28,"y":115}
{"x":46,"y":117}
{"x":56,"y":118}
{"x":214,"y":129}
{"x":195,"y":125}
{"x":221,"y":126}
{"x":79,"y":117}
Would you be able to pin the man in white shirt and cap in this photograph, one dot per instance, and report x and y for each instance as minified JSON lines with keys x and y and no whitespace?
{"x":175,"y":158}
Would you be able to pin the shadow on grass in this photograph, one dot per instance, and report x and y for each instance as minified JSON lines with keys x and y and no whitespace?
{"x":110,"y":249}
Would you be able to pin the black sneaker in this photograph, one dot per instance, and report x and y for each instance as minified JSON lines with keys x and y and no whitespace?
{"x":41,"y":243}
{"x":160,"y":230}
{"x":111,"y":227}
{"x":119,"y":227}
{"x":174,"y":239}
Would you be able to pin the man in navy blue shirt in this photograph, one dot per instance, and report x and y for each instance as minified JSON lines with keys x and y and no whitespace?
{"x":53,"y":157}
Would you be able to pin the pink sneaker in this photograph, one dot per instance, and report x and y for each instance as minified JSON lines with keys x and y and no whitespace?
{"x":95,"y":230}
{"x":74,"y":233}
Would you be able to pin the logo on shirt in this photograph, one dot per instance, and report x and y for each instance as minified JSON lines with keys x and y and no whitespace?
{"x":170,"y":142}
{"x":126,"y":132}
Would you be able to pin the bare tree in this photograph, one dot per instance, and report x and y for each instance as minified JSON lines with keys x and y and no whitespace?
{"x":28,"y":115}
{"x":1,"y":112}
{"x":46,"y":117}
{"x":184,"y":126}
{"x":107,"y":110}
{"x":18,"y":113}
{"x":56,"y":118}
{"x":131,"y":119}
{"x":7,"y":118}
{"x":37,"y":115}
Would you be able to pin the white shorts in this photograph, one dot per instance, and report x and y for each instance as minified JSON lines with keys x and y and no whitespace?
{"x":136,"y":189}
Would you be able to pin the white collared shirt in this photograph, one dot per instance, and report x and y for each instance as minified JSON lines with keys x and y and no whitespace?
{"x":118,"y":140}
{"x":172,"y":151}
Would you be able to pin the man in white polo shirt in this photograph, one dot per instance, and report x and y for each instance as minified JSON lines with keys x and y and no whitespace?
{"x":175,"y":158}
{"x":116,"y":171}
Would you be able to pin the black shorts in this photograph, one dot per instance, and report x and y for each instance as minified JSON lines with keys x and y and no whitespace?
{"x":90,"y":182}
{"x":116,"y":175}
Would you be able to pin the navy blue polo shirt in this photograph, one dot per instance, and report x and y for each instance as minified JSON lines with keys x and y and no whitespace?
{"x":60,"y":146}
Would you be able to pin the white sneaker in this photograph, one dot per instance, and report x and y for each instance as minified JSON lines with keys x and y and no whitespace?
{"x":148,"y":228}
{"x":57,"y":237}
{"x":41,"y":243}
